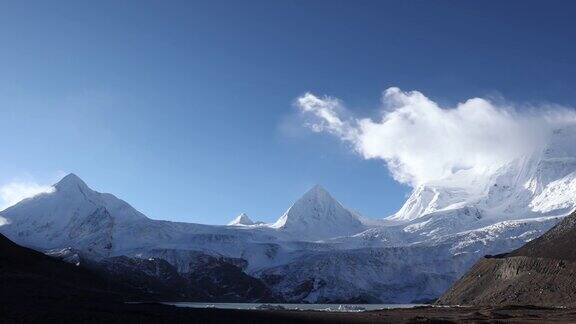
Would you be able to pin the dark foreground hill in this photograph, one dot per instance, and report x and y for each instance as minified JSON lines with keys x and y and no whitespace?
{"x":28,"y":274}
{"x":542,"y":272}
{"x":35,"y":288}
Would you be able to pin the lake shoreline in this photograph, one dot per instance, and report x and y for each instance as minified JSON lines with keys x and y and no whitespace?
{"x":292,"y":306}
{"x":93,"y":312}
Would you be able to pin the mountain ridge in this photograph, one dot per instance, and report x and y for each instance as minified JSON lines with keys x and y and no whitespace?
{"x":423,"y":255}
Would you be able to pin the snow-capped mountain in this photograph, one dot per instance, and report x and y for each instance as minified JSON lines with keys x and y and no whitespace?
{"x":541,"y":183}
{"x":317,"y":216}
{"x":71,"y":215}
{"x":319,"y":250}
{"x":243,"y":220}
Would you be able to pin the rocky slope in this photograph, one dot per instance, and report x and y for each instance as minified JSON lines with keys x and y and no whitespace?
{"x":204,"y":278}
{"x":542,"y":272}
{"x":28,"y":274}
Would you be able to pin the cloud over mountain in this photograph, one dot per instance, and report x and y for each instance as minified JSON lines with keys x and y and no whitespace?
{"x":422,"y":142}
{"x":13,"y":192}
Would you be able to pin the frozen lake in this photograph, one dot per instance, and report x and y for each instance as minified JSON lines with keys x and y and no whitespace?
{"x":315,"y":307}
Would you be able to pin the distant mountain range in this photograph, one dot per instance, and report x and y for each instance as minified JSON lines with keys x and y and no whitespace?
{"x":318,"y":250}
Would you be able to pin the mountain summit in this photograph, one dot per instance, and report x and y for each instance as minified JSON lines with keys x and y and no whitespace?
{"x":72,"y":215}
{"x":71,"y":182}
{"x":316,"y":216}
{"x":242,"y":220}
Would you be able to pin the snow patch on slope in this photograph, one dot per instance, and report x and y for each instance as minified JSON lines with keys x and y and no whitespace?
{"x":558,"y":195}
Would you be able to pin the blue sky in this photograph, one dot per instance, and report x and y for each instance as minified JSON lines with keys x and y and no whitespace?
{"x":186,"y":109}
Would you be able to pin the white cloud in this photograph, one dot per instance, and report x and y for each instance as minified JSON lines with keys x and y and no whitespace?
{"x":14,"y":192}
{"x":422,"y":142}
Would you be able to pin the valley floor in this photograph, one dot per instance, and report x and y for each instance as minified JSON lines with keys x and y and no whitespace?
{"x":98,"y":312}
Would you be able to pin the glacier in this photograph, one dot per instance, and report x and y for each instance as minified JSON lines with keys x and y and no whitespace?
{"x":318,"y":251}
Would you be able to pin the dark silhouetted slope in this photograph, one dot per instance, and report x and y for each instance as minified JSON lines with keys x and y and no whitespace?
{"x":25,"y":273}
{"x":542,"y":272}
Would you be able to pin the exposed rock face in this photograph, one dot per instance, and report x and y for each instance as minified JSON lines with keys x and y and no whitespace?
{"x":515,"y":281}
{"x":222,"y":281}
{"x":204,"y":278}
{"x":542,"y":272}
{"x":558,"y":243}
{"x":152,"y":276}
